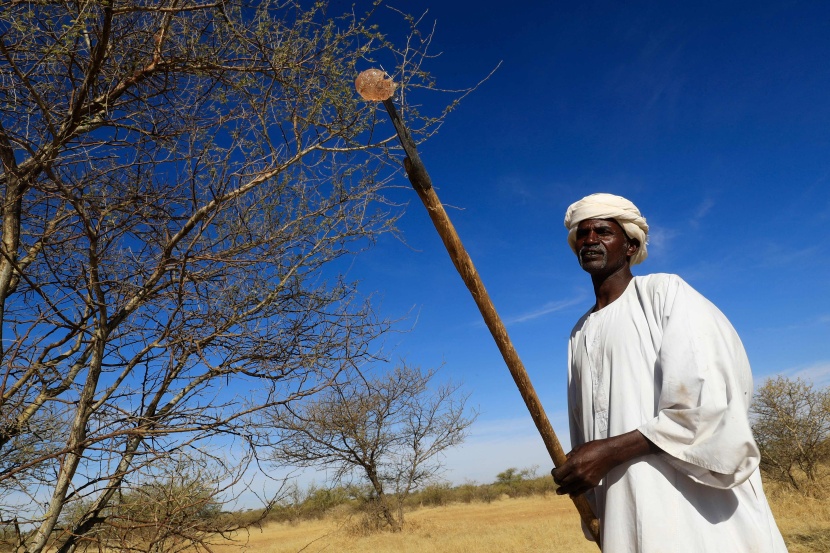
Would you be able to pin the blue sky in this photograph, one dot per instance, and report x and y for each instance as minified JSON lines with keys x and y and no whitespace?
{"x":713,"y":117}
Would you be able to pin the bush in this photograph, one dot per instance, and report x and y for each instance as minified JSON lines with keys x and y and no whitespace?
{"x":435,"y":495}
{"x":319,"y":501}
{"x":467,"y":493}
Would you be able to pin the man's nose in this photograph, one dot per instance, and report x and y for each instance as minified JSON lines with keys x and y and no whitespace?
{"x":591,"y":238}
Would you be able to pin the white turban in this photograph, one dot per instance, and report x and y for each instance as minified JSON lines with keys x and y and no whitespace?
{"x":609,"y":206}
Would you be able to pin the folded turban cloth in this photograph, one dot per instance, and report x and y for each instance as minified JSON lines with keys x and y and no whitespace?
{"x":609,"y":206}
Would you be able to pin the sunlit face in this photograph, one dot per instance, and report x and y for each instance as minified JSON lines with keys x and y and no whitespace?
{"x":602,"y":246}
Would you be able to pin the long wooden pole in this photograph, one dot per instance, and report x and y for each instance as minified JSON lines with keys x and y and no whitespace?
{"x":419,"y":178}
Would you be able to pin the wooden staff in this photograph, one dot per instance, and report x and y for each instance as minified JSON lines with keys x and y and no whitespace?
{"x":419,"y":178}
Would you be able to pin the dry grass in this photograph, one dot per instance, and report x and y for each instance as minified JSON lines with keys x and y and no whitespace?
{"x":804,"y":521}
{"x":524,"y":525}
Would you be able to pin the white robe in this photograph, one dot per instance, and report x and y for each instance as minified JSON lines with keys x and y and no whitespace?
{"x":664,"y":360}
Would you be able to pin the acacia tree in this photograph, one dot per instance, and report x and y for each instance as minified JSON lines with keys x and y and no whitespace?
{"x":791,"y":423}
{"x":176,"y":176}
{"x":389,"y":430}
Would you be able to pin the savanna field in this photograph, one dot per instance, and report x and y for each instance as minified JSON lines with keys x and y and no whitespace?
{"x":536,"y":523}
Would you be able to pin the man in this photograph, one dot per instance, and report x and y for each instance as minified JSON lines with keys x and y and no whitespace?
{"x":658,"y":393}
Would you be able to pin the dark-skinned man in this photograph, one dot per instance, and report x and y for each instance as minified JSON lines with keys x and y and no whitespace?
{"x":658,"y":394}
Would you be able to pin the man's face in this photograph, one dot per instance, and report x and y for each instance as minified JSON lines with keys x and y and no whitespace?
{"x":602,"y":246}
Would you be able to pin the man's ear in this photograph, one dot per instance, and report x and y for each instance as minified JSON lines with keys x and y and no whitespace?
{"x":633,"y":247}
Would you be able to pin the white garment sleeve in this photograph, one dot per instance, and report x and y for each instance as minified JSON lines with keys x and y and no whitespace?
{"x":705,"y":385}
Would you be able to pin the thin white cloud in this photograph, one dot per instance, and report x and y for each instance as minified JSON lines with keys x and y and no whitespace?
{"x":817,"y":373}
{"x":802,"y":324}
{"x":778,"y":255}
{"x":548,"y":308}
{"x":497,"y":430}
{"x":516,"y":186}
{"x":702,"y":210}
{"x":659,"y":239}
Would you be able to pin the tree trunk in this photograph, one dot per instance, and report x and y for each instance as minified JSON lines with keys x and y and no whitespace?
{"x":383,"y":501}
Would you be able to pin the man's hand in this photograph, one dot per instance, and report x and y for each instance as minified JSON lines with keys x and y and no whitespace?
{"x":588,"y":463}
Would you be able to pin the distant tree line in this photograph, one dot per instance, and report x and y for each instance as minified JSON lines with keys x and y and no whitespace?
{"x":355,"y":503}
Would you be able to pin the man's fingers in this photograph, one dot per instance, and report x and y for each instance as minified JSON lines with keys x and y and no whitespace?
{"x":560,"y":474}
{"x":572,"y":489}
{"x":564,"y":479}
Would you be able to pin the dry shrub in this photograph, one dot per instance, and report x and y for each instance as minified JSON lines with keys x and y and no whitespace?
{"x":319,"y":501}
{"x":365,"y":524}
{"x":467,"y":493}
{"x":435,"y":495}
{"x":489,"y":493}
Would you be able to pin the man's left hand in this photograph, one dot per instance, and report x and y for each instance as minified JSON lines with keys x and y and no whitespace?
{"x":588,"y":463}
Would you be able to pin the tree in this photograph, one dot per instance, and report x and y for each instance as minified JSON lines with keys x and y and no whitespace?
{"x":176,"y":178}
{"x":389,"y":429}
{"x":791,"y":423}
{"x":513,"y":476}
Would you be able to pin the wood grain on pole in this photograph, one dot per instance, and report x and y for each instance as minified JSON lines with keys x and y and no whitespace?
{"x":418,"y":176}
